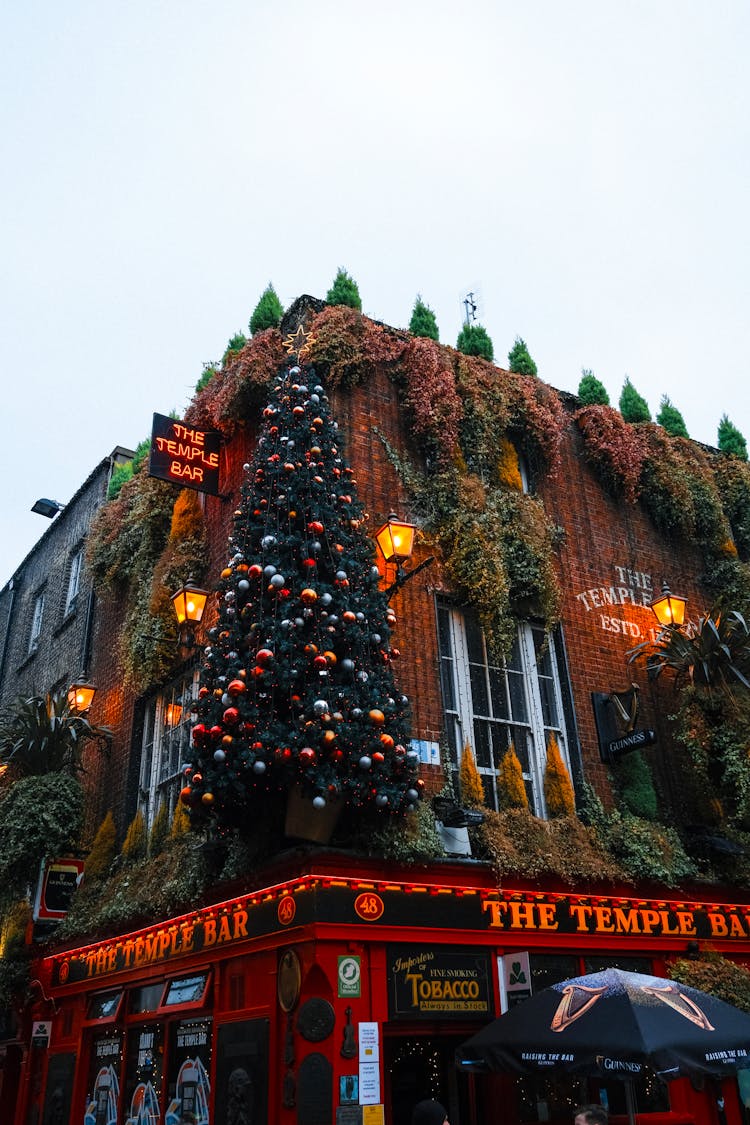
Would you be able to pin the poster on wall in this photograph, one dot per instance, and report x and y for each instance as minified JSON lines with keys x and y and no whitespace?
{"x":104,"y":1081}
{"x":58,"y":881}
{"x":143,"y":1075}
{"x":188,"y":1086}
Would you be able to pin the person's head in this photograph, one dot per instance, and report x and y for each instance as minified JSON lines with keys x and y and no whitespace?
{"x":429,"y":1112}
{"x":591,"y":1115}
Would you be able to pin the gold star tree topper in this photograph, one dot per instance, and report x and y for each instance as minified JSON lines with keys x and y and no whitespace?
{"x":299,"y":342}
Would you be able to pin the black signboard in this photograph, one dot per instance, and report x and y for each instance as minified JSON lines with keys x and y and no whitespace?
{"x":242,"y":1072}
{"x":315,"y":1091}
{"x":184,"y":455}
{"x":59,"y":1091}
{"x":445,"y":982}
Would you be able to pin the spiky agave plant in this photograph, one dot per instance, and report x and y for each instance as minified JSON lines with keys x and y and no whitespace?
{"x":715,"y":657}
{"x":44,"y":734}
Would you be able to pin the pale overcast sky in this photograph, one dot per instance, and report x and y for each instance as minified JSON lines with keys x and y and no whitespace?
{"x":582,"y":166}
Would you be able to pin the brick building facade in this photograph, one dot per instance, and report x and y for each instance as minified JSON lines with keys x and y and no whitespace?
{"x":609,"y":561}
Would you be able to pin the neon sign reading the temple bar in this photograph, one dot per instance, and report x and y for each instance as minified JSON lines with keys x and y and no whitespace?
{"x":184,"y":455}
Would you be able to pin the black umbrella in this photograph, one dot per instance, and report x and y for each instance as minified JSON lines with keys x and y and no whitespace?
{"x":614,"y":1025}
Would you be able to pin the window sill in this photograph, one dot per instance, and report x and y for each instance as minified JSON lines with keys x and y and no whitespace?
{"x":69,"y":616}
{"x":27,"y":659}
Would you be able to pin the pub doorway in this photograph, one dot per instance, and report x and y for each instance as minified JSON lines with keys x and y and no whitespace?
{"x":419,"y":1062}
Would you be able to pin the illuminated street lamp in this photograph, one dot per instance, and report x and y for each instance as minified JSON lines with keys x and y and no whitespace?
{"x":81,"y":695}
{"x":669,"y":608}
{"x":189,"y":603}
{"x":396,"y":542}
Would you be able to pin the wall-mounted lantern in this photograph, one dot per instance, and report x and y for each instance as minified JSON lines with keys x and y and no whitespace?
{"x":396,"y":542}
{"x":189,"y":603}
{"x":172,"y":714}
{"x":669,"y":608}
{"x":81,"y":695}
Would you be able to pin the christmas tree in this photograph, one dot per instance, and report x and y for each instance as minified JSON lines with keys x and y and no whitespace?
{"x":297,"y":687}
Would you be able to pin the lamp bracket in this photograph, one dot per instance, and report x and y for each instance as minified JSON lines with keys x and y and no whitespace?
{"x":404,"y":576}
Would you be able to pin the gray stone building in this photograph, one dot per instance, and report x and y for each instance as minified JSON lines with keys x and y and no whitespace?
{"x":47,"y":608}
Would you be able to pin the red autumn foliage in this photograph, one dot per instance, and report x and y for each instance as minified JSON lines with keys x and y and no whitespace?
{"x":614,"y":447}
{"x":347,"y":347}
{"x":233,"y":392}
{"x":431,"y":394}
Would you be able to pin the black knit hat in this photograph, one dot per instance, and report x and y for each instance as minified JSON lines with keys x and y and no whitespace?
{"x":428,"y":1113}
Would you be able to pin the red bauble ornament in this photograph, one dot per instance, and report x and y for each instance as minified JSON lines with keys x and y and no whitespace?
{"x":236,"y":687}
{"x":264,"y":656}
{"x":320,"y":662}
{"x":231,"y":716}
{"x":386,"y":741}
{"x":186,"y":795}
{"x":316,"y":527}
{"x":216,"y":732}
{"x":199,"y":732}
{"x":254,"y":571}
{"x":378,"y":757}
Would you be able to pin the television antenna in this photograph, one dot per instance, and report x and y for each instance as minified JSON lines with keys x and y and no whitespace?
{"x":472,"y":304}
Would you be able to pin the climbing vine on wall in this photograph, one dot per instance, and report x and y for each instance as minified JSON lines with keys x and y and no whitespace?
{"x":142,"y":545}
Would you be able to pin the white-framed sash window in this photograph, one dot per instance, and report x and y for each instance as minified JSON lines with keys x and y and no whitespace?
{"x":491,"y":704}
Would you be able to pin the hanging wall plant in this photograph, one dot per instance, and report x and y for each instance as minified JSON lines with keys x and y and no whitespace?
{"x":614,"y":449}
{"x":346,"y":347}
{"x":144,"y":544}
{"x":239,"y":387}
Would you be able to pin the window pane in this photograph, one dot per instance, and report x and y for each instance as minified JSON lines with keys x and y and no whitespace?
{"x":482,"y":744}
{"x":549,"y":968}
{"x":36,"y":623}
{"x":499,"y":694}
{"x":542,"y":651}
{"x":474,"y":640}
{"x":74,"y":580}
{"x":104,"y":1005}
{"x":479,"y":697}
{"x":146,"y":999}
{"x":446,"y":683}
{"x":500,"y":737}
{"x":185,"y":990}
{"x":549,"y":702}
{"x":453,"y":731}
{"x":444,"y":632}
{"x":517,"y":691}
